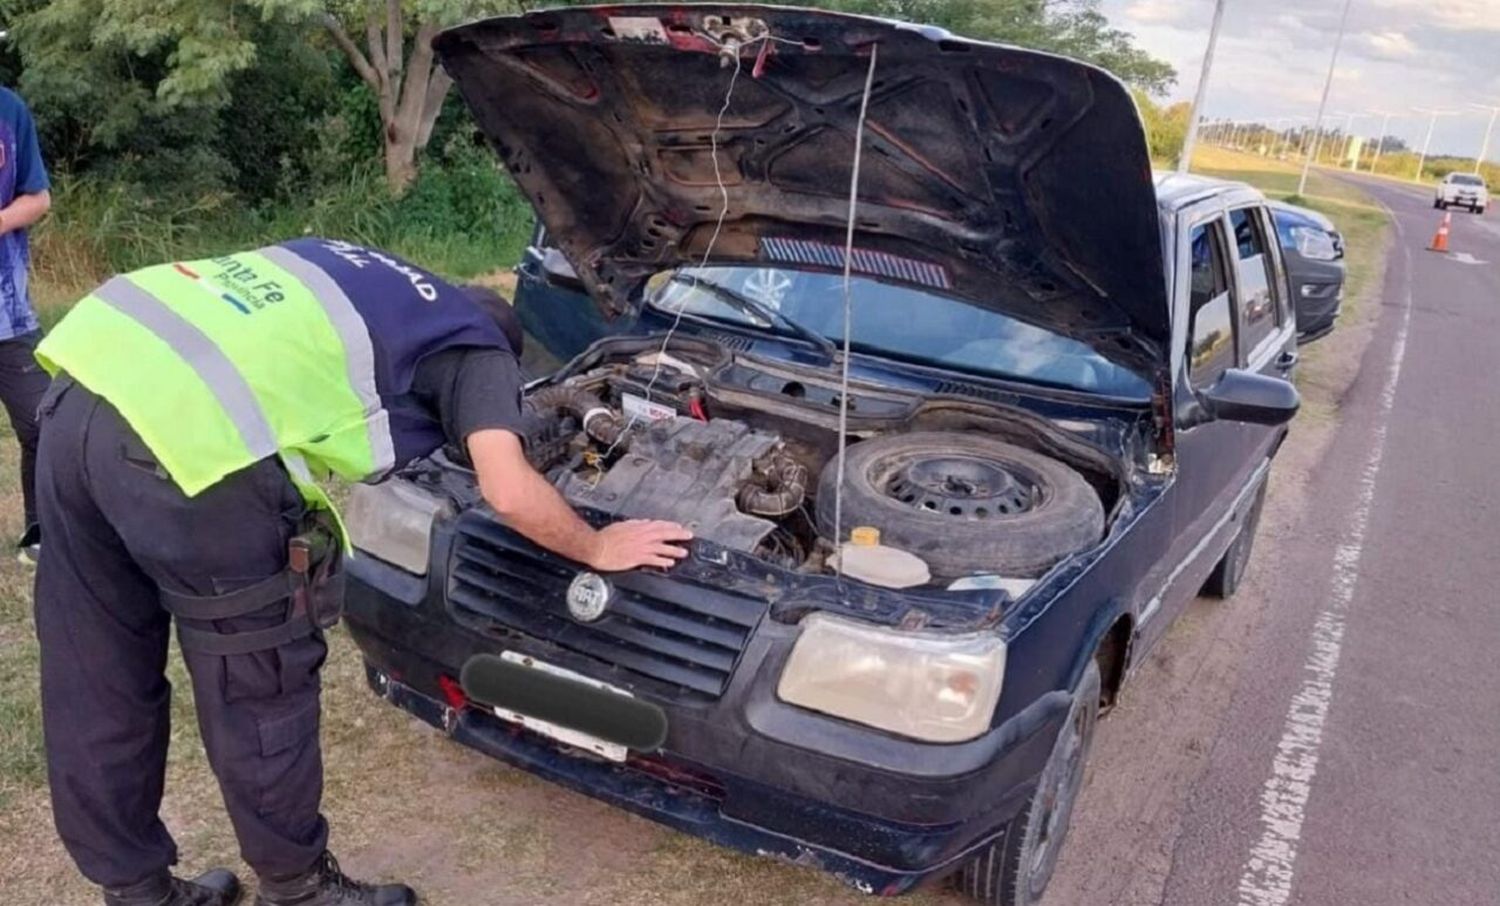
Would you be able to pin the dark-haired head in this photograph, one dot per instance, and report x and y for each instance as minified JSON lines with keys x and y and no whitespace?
{"x":494,"y":305}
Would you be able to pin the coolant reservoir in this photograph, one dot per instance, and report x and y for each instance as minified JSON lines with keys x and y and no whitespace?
{"x":863,"y":557}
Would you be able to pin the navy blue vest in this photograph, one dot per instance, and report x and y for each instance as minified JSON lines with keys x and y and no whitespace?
{"x":410,"y":314}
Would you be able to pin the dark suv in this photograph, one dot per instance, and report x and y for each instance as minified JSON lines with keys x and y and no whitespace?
{"x":1065,"y":388}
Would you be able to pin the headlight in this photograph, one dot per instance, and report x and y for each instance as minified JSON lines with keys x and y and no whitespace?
{"x":393,"y":521}
{"x":937,"y":688}
{"x":1314,"y":243}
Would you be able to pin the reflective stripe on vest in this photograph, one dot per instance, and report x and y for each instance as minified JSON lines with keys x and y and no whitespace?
{"x":359,"y":353}
{"x":200,"y":353}
{"x":220,"y":363}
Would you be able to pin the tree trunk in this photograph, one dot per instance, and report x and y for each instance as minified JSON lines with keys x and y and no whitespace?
{"x":400,"y":163}
{"x":410,"y":90}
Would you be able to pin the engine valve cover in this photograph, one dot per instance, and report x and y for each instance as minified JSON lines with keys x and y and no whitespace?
{"x":685,"y":471}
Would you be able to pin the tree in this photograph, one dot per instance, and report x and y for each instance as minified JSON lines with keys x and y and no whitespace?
{"x":118,"y":65}
{"x":1166,"y":128}
{"x":1074,"y":28}
{"x":409,"y":85}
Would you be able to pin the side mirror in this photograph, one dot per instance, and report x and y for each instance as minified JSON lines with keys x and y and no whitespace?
{"x":1244,"y":396}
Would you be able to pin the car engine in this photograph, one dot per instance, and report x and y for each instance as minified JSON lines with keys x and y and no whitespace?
{"x":635,"y":439}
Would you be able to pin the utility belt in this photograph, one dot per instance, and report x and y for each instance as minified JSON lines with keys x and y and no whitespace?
{"x":312,"y":585}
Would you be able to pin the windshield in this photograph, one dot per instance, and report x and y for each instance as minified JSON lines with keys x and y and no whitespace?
{"x":1463,"y":180}
{"x":896,"y":321}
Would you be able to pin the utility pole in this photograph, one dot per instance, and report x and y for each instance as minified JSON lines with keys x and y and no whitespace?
{"x":1427,"y":142}
{"x":1380,"y":142}
{"x":1186,"y":161}
{"x":1484,"y":149}
{"x":1338,"y":42}
{"x":1349,"y":146}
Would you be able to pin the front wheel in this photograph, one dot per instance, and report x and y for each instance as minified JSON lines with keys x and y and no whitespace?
{"x":1437,"y":203}
{"x":1225,"y":580}
{"x":1014,"y":870}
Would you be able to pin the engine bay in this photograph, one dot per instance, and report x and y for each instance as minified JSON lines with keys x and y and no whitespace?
{"x":746,"y":457}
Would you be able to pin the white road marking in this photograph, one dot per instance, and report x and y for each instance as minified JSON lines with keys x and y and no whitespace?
{"x":1268,"y":873}
{"x":1465,"y":258}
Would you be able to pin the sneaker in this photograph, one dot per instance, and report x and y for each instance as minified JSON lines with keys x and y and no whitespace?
{"x":29,"y":548}
{"x":325,"y":885}
{"x":215,"y":888}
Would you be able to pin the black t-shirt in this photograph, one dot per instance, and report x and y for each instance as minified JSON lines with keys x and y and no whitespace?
{"x":468,"y":390}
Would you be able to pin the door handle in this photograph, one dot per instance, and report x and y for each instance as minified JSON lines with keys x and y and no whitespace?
{"x":1287,"y":361}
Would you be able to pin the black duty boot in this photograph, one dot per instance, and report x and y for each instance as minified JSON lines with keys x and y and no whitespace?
{"x":215,"y":888}
{"x":325,"y":885}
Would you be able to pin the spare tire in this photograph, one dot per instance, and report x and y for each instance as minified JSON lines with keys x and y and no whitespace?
{"x":965,"y":503}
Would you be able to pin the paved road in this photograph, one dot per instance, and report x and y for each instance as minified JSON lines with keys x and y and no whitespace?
{"x":1331,"y":737}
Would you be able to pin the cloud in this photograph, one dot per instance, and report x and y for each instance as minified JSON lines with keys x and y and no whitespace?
{"x":1158,"y":12}
{"x":1389,"y":45}
{"x":1273,"y":56}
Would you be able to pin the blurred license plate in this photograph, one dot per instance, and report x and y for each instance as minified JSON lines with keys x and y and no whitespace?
{"x":565,"y":735}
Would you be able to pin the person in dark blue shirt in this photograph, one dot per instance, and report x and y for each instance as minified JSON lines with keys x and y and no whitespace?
{"x":24,"y":198}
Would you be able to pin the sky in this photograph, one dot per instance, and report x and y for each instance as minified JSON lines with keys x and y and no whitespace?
{"x":1272,"y":58}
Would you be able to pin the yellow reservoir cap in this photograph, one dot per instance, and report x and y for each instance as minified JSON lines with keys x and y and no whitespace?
{"x":864,"y":536}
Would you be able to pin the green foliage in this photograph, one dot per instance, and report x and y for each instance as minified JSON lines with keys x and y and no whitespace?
{"x":1073,"y":28}
{"x":1166,"y":128}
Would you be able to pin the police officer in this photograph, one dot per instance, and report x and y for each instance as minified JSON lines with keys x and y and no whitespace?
{"x":196,"y":405}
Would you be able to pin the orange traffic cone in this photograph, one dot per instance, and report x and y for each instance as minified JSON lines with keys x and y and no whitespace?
{"x":1440,"y":239}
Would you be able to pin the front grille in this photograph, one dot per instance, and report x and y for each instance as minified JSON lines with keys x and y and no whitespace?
{"x":684,"y":636}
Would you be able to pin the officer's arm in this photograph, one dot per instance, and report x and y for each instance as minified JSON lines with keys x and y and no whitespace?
{"x":532,"y":506}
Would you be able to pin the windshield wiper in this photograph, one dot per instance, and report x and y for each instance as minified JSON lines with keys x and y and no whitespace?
{"x":762,"y":311}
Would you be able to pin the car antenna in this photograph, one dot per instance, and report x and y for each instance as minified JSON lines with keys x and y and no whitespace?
{"x":838,"y":486}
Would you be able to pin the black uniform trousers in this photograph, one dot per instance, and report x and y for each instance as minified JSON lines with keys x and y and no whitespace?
{"x":117,"y":531}
{"x":22,"y":383}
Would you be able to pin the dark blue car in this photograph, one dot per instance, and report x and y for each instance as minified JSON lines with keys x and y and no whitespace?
{"x":1314,"y":253}
{"x":1065,"y":386}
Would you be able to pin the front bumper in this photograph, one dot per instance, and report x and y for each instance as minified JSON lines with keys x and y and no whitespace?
{"x":746,"y":770}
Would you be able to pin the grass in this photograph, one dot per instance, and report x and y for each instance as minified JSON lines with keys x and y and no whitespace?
{"x":460,"y":223}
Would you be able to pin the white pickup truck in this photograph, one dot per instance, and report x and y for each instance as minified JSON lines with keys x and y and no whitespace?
{"x":1465,"y":190}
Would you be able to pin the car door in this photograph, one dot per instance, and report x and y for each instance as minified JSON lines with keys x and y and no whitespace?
{"x":1265,"y":322}
{"x":1210,"y":348}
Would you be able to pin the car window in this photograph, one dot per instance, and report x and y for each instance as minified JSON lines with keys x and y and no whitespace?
{"x":1256,"y":270}
{"x":1211,"y":323}
{"x":897,"y":321}
{"x":1466,"y":180}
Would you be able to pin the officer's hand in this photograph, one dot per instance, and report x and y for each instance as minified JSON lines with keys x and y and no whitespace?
{"x":638,"y":542}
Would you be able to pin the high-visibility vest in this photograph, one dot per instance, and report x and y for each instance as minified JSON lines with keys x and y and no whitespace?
{"x":302,"y":350}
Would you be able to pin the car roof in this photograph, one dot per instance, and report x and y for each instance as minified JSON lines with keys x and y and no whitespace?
{"x":1175,"y":191}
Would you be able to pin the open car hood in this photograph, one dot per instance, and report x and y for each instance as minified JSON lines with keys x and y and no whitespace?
{"x":1011,"y":178}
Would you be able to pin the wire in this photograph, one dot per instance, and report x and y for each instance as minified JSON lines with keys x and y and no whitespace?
{"x":859,"y":148}
{"x":708,"y":251}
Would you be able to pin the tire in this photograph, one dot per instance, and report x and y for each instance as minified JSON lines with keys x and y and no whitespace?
{"x":1225,"y":580}
{"x":1479,"y":210}
{"x":1437,"y":203}
{"x":965,"y":503}
{"x":1014,"y":870}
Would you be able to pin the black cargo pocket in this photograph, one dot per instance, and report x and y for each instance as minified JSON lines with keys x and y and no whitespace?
{"x":278,"y":734}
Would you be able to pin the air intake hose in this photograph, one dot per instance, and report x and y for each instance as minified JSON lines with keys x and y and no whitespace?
{"x":599,"y":421}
